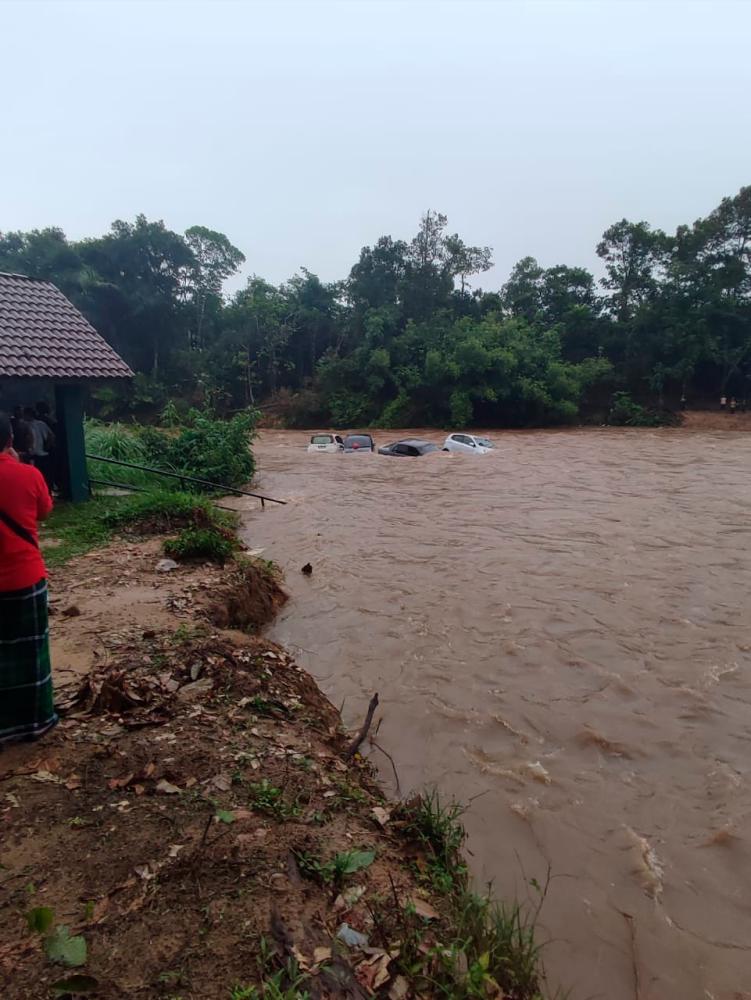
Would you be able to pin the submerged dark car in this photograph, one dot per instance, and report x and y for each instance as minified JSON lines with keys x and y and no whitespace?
{"x":358,"y":442}
{"x":411,"y":448}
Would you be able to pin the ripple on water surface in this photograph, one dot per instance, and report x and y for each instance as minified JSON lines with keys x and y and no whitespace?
{"x":559,"y":633}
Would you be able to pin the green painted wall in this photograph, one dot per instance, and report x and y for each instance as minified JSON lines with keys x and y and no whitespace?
{"x":70,"y":440}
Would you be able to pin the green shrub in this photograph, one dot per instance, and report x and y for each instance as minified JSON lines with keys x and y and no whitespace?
{"x":207,"y":448}
{"x":348,"y":409}
{"x":204,"y":448}
{"x":627,"y":413}
{"x":400,"y":412}
{"x":210,"y":544}
{"x":218,"y":450}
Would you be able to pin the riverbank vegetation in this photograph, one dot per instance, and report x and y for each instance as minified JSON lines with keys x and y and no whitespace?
{"x":197,"y":446}
{"x":406,"y":337}
{"x":198,"y":825}
{"x":74,"y":529}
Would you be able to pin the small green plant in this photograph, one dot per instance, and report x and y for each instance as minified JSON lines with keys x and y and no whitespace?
{"x":348,"y":795}
{"x":208,"y":544}
{"x":270,"y":799}
{"x":243,"y":993}
{"x":170,"y":415}
{"x":439,"y":830}
{"x":335,"y":871}
{"x":185,"y":634}
{"x":286,"y":983}
{"x":59,"y":945}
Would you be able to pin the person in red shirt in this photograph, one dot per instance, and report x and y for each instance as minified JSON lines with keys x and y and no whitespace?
{"x":26,"y":701}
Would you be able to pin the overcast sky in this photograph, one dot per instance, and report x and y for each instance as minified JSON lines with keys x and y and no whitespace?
{"x":306,"y":130}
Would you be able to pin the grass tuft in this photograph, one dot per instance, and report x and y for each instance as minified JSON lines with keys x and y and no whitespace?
{"x":74,"y":529}
{"x":482,"y":949}
{"x":201,"y":544}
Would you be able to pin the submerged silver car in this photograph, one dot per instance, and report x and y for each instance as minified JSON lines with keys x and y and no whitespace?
{"x":359,"y":443}
{"x":327,"y":444}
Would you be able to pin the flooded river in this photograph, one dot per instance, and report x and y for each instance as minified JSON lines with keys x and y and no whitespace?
{"x":560,"y":634}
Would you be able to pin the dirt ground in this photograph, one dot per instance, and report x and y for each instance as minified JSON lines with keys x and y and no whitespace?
{"x":186,"y":815}
{"x":716,"y":420}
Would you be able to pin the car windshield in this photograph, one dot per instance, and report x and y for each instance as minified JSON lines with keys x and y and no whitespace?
{"x":357,"y":441}
{"x":425,"y":448}
{"x":321,"y":439}
{"x":484,"y":443}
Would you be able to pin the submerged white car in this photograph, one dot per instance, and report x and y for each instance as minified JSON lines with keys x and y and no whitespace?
{"x":468,"y":444}
{"x":328,"y":444}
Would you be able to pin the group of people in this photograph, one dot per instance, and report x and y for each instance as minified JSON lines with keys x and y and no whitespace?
{"x":26,"y":701}
{"x":34,"y":438}
{"x":732,"y":405}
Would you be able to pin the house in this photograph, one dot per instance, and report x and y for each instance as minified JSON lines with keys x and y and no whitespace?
{"x":50,"y":352}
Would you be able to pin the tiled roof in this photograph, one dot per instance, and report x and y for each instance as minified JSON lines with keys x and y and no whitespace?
{"x":43,"y":335}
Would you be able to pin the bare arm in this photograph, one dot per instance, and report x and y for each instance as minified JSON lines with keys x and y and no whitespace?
{"x":44,"y":500}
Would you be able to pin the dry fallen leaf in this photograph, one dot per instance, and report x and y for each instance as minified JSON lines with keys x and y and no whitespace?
{"x":167,"y":788}
{"x":121,"y":782}
{"x":48,"y":777}
{"x":423,"y":909}
{"x":300,"y":958}
{"x":382,"y":973}
{"x":399,"y":989}
{"x":381,"y":815}
{"x":321,"y":955}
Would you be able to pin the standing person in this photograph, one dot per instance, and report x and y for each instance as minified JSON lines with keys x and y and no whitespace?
{"x":21,"y":434}
{"x":44,"y":413}
{"x":683,"y":401}
{"x":723,"y":402}
{"x":54,"y":475}
{"x":733,"y":404}
{"x":42,"y":440}
{"x":26,"y":706}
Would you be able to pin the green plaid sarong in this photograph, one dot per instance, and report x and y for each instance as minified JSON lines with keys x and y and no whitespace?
{"x":26,"y":706}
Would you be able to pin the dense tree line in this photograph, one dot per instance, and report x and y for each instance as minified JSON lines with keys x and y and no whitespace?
{"x":405,"y":338}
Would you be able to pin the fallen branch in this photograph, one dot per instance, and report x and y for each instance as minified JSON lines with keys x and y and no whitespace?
{"x":364,"y":729}
{"x":634,"y":956}
{"x":393,"y":765}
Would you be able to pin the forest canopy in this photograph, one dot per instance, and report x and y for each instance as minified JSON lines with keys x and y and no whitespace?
{"x":409,"y":336}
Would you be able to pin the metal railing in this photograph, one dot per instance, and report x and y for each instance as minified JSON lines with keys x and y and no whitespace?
{"x":181,"y":477}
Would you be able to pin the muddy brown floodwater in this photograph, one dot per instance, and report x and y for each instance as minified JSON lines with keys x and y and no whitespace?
{"x":560,"y":634}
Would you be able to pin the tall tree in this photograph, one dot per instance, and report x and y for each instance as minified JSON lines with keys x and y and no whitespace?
{"x":465,"y":261}
{"x":634,"y":255}
{"x":427,"y":279}
{"x":143,"y":266}
{"x":521,"y":294}
{"x":214,"y":260}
